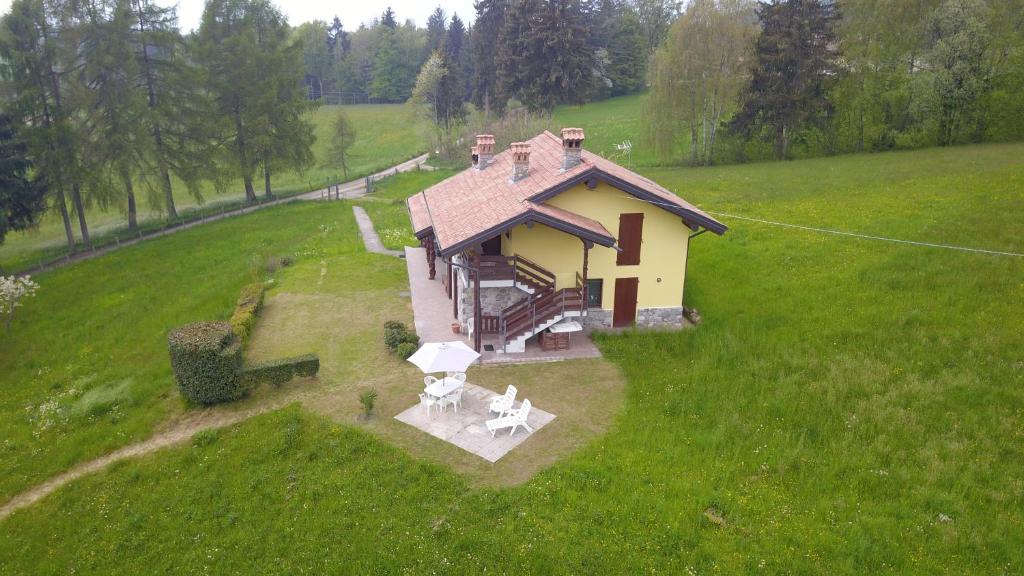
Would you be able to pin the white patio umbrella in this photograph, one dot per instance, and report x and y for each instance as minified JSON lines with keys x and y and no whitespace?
{"x":444,"y":357}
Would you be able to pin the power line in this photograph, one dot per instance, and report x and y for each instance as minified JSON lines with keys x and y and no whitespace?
{"x":844,"y":233}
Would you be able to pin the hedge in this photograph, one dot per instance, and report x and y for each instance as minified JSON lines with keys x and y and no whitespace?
{"x":250,"y":300}
{"x":279,"y":371}
{"x":205,"y":358}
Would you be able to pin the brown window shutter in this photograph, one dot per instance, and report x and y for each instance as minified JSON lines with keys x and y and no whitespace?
{"x":631,"y":228}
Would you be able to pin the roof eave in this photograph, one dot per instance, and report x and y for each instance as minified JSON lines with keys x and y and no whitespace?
{"x":687,"y":215}
{"x":529,"y":216}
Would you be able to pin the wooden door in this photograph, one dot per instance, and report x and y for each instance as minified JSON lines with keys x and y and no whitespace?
{"x":624,"y":313}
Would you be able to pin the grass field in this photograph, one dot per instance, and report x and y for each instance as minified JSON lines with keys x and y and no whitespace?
{"x":383,"y":139}
{"x":386,"y":205}
{"x":848,"y":406}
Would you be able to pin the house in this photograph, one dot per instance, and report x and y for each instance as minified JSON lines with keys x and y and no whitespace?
{"x":546,"y":231}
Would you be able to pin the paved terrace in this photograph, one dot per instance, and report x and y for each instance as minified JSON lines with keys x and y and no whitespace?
{"x":433,"y":316}
{"x":467,"y":428}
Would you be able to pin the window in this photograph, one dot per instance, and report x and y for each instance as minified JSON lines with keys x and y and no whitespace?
{"x":631,"y":228}
{"x":595,"y":288}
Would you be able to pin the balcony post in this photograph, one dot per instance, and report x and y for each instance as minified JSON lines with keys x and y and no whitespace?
{"x":477,"y":313}
{"x":584,"y":306}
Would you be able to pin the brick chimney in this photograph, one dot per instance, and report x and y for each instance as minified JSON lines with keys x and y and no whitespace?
{"x":520,"y":160}
{"x":572,"y":146}
{"x":484,"y":150}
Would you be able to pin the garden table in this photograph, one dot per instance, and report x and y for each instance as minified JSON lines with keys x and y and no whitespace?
{"x":443,"y":387}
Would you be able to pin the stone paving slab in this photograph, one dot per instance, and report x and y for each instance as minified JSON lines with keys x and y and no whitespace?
{"x":467,"y":428}
{"x":370,"y":238}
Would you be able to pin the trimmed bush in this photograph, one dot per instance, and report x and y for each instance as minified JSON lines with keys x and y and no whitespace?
{"x":406,"y":349}
{"x":205,"y":358}
{"x":250,"y":300}
{"x":397,"y":333}
{"x":278,"y":372}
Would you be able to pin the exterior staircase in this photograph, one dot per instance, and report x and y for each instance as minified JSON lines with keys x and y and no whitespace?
{"x":543,"y":308}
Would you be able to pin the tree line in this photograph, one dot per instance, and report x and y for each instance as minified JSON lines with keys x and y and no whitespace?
{"x":106,"y":101}
{"x":736,"y":80}
{"x":542,"y":52}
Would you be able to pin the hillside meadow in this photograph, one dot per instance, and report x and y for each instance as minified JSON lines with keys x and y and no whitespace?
{"x":383,"y":139}
{"x":847,"y":406}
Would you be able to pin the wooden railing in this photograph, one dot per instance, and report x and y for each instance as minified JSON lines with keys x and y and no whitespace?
{"x":515,"y":268}
{"x":490,"y":324}
{"x":525,"y":316}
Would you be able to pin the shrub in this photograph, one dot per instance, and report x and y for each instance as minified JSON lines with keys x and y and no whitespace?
{"x":250,"y":300}
{"x":397,"y":333}
{"x":406,"y":349}
{"x":280,"y":371}
{"x":367,"y":398}
{"x":205,"y":358}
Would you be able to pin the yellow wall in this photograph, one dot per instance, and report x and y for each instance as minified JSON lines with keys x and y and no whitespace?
{"x":662,"y":252}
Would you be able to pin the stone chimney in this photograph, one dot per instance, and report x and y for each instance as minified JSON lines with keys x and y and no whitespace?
{"x":520,"y":160}
{"x":572,"y":146}
{"x":484,"y":150}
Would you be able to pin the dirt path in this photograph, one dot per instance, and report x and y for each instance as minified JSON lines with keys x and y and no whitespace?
{"x":179,"y":431}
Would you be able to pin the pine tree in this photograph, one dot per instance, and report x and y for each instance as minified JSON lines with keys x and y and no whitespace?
{"x":794,"y":64}
{"x":113,"y":107}
{"x":541,"y":57}
{"x":388,"y":19}
{"x":436,"y":23}
{"x":250,"y":70}
{"x":30,"y":50}
{"x":488,"y":91}
{"x":22,"y":198}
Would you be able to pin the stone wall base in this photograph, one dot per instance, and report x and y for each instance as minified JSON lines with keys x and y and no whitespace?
{"x":645,"y":317}
{"x":651,"y":317}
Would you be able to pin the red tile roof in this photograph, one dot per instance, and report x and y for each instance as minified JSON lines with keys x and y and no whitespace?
{"x":476,"y":202}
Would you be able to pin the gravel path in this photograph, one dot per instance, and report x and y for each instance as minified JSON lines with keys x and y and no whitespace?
{"x":348,"y":190}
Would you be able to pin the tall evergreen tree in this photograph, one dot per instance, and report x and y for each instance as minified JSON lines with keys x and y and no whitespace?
{"x":388,"y":19}
{"x":30,"y":50}
{"x":451,"y":104}
{"x":488,"y":90}
{"x":436,"y":23}
{"x":794,"y":64}
{"x":113,"y":107}
{"x":242,"y":47}
{"x":22,"y":198}
{"x":171,"y":98}
{"x":542,"y":58}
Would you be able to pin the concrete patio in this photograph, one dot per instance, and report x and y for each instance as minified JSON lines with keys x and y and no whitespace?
{"x":467,"y":429}
{"x":432,"y":310}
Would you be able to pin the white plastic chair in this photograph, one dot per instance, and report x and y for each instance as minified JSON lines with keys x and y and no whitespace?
{"x":427,"y":401}
{"x":428,"y":380}
{"x":503,"y":404}
{"x":514,"y":420}
{"x":453,"y":399}
{"x":460,"y":376}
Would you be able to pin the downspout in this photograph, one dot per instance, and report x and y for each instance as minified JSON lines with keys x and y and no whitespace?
{"x":686,"y":262}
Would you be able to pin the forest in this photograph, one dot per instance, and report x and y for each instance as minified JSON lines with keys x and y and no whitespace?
{"x":110,"y":103}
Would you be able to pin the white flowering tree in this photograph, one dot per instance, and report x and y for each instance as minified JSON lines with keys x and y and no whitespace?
{"x":14,"y":289}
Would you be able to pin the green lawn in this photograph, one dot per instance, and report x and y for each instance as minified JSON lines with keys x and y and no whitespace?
{"x":607,"y":123}
{"x":848,"y":406}
{"x":384,"y":138}
{"x":386,"y":205}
